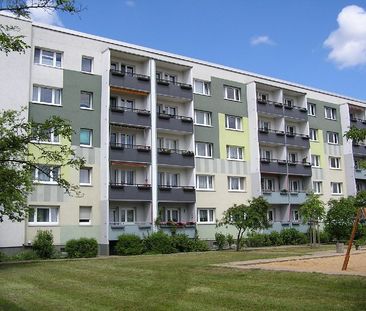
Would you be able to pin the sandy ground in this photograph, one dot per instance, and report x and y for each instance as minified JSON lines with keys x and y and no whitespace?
{"x":322,"y":263}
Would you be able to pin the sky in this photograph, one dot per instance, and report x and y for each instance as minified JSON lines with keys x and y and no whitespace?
{"x":317,"y":43}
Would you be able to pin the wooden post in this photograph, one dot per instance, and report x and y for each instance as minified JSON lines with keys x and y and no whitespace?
{"x":354,"y":229}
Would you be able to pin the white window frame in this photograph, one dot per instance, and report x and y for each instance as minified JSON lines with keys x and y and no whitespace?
{"x":330,"y":113}
{"x":53,"y":139}
{"x":236,"y":92}
{"x":125,"y":211}
{"x":34,"y":222}
{"x":311,"y":109}
{"x":209,"y":180}
{"x":313,"y":134}
{"x":335,"y":138}
{"x":91,"y":63}
{"x":90,"y":138}
{"x":168,"y":214}
{"x":56,"y":95}
{"x":241,"y":183}
{"x":339,"y":186}
{"x":264,"y":125}
{"x":317,"y":187}
{"x":37,"y":172}
{"x":54,"y":57}
{"x":238,"y":123}
{"x":89,"y":183}
{"x":169,"y":179}
{"x":265,"y":182}
{"x":90,"y":94}
{"x":270,"y":215}
{"x":335,"y":163}
{"x":210,"y":214}
{"x":262,"y":96}
{"x":295,"y":215}
{"x":315,"y":160}
{"x":208,"y":147}
{"x":85,"y":221}
{"x":238,"y":150}
{"x":295,"y":185}
{"x":289,"y":102}
{"x":206,"y":87}
{"x":123,"y":176}
{"x":207,"y":118}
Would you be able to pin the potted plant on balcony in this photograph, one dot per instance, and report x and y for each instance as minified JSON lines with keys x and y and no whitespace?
{"x":288,"y":107}
{"x":186,"y":119}
{"x":164,"y":151}
{"x":143,"y":78}
{"x":145,"y":186}
{"x":187,"y":153}
{"x":165,"y":187}
{"x":118,"y":73}
{"x":280,"y":133}
{"x":282,"y":162}
{"x":261,"y":101}
{"x":117,"y":185}
{"x":306,"y":137}
{"x":142,"y":148}
{"x":143,"y":112}
{"x":188,"y":188}
{"x":185,"y":86}
{"x":265,"y":160}
{"x":283,"y":191}
{"x":302,"y":109}
{"x":276,"y":104}
{"x":263,"y":130}
{"x":163,"y":115}
{"x":162,"y":82}
{"x":290,"y":134}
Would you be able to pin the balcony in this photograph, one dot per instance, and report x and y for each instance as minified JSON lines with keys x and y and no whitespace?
{"x":176,"y":194}
{"x":124,"y":192}
{"x":135,"y":82}
{"x":295,"y":112}
{"x":297,"y":140}
{"x":174,"y":122}
{"x":360,"y":174}
{"x":132,"y":117}
{"x":284,"y":197}
{"x":179,"y":228}
{"x":270,"y":107}
{"x":359,"y":149}
{"x":271,"y":136}
{"x":174,"y":89}
{"x":140,"y":229}
{"x":273,"y":166}
{"x":359,"y":123}
{"x":299,"y":168}
{"x":130,"y":153}
{"x":175,"y":157}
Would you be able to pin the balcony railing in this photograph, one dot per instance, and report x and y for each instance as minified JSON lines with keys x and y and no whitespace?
{"x":271,"y":136}
{"x":296,"y":139}
{"x":285,"y":167}
{"x":359,"y":123}
{"x":174,"y":89}
{"x":169,"y":193}
{"x":272,"y":107}
{"x":174,"y":122}
{"x":175,"y":157}
{"x":128,"y":80}
{"x":128,"y":116}
{"x":130,"y":192}
{"x":285,"y":197}
{"x":130,"y":153}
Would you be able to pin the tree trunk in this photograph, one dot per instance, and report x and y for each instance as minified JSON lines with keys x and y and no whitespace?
{"x":238,"y":240}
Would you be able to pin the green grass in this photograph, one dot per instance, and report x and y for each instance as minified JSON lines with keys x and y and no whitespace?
{"x":174,"y":282}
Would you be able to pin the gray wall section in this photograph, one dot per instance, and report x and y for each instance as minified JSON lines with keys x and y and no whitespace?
{"x":217,"y":104}
{"x":221,"y":166}
{"x":74,"y":83}
{"x":320,"y":122}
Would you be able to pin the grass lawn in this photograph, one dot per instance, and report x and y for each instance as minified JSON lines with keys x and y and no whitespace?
{"x":174,"y":282}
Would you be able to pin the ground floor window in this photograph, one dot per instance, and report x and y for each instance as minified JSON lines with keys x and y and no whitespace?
{"x":206,"y":215}
{"x":172,"y":214}
{"x":43,"y":215}
{"x":122,"y":215}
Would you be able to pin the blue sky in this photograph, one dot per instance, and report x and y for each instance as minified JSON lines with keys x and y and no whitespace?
{"x":284,"y":39}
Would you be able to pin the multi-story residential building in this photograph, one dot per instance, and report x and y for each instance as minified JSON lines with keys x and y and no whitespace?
{"x":170,"y":139}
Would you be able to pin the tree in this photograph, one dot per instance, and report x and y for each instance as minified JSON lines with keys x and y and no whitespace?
{"x":247,"y":217}
{"x":10,"y":41}
{"x":340,"y":217}
{"x":21,"y":155}
{"x":313,"y":211}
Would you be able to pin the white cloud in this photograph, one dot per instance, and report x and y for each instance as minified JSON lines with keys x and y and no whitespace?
{"x":348,"y":42}
{"x":45,"y":16}
{"x":130,"y":3}
{"x":261,"y":40}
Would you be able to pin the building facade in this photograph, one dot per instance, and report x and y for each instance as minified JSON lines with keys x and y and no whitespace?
{"x":171,"y":140}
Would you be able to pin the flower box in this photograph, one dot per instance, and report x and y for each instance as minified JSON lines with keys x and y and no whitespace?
{"x":186,"y":119}
{"x":143,"y":148}
{"x":188,"y":188}
{"x":143,"y":78}
{"x":164,"y":116}
{"x":187,"y":153}
{"x":186,"y":86}
{"x":162,"y":82}
{"x":143,"y":112}
{"x":164,"y":151}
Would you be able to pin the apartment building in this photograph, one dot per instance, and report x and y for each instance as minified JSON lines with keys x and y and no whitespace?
{"x":171,"y":140}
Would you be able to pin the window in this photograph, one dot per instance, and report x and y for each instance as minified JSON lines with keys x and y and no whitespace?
{"x":46,"y":57}
{"x":43,"y":215}
{"x":204,"y":182}
{"x":86,"y":64}
{"x":172,"y":214}
{"x":46,"y":174}
{"x":290,"y":129}
{"x":114,"y":66}
{"x":168,"y":143}
{"x":267,"y":184}
{"x":330,"y":113}
{"x":123,"y":177}
{"x":317,"y":187}
{"x":295,"y":185}
{"x":289,"y":102}
{"x":169,"y":179}
{"x":232,"y":93}
{"x":265,"y":154}
{"x":357,"y":163}
{"x":311,"y":109}
{"x":202,"y":118}
{"x":171,"y":110}
{"x":170,"y":78}
{"x":236,"y":183}
{"x":334,"y":162}
{"x":332,"y":138}
{"x":86,"y":100}
{"x":262,"y":96}
{"x":46,"y":95}
{"x":47,"y":137}
{"x":234,"y":152}
{"x":206,"y":215}
{"x":129,"y":70}
{"x":122,"y":215}
{"x":86,"y":137}
{"x":336,"y":187}
{"x":315,"y":160}
{"x":233,"y":123}
{"x":313,"y":134}
{"x":202,"y":87}
{"x":292,"y":157}
{"x":270,"y":215}
{"x":85,"y":176}
{"x":295,"y":215}
{"x":204,"y":150}
{"x":85,"y":215}
{"x":264,"y":125}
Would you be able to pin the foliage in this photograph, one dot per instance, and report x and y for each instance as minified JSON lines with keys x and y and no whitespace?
{"x":21,"y":153}
{"x":230,"y":239}
{"x":158,"y":243}
{"x":82,"y":248}
{"x":340,"y":217}
{"x":257,"y":240}
{"x":220,"y":240}
{"x":200,"y":246}
{"x":291,"y":236}
{"x":247,"y":217}
{"x":43,"y":244}
{"x":275,"y":238}
{"x":324,"y":237}
{"x":182,"y":243}
{"x":25,"y":255}
{"x":129,"y":244}
{"x":10,"y":41}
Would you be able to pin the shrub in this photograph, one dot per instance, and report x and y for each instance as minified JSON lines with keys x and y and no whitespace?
{"x":182,"y":243}
{"x":291,"y":236}
{"x":82,"y":248}
{"x":230,"y":240}
{"x":200,"y":246}
{"x":257,"y":240}
{"x":220,"y":240}
{"x":25,"y":255}
{"x":3,"y":257}
{"x":325,"y":237}
{"x":43,"y":244}
{"x":158,"y":243}
{"x":275,"y":238}
{"x":129,"y":244}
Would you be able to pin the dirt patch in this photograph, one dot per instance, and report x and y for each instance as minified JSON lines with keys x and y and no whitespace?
{"x":326,"y":263}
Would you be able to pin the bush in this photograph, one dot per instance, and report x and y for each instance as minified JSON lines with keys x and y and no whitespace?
{"x":25,"y":255}
{"x":200,"y":246}
{"x":182,"y":243}
{"x":257,"y":240}
{"x":43,"y":244}
{"x":220,"y":240}
{"x":291,"y":236}
{"x":275,"y":238}
{"x":129,"y":244}
{"x":3,"y":257}
{"x":158,"y":243}
{"x":325,"y":237}
{"x":82,"y":248}
{"x":230,"y":240}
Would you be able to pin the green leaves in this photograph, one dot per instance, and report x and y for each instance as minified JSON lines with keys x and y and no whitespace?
{"x":313,"y":209}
